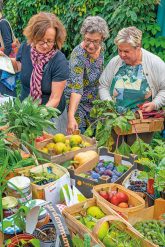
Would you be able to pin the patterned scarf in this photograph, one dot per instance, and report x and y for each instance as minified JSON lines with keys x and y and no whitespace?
{"x":38,"y":62}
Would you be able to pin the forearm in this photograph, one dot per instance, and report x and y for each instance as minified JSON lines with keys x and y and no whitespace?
{"x":159,"y":99}
{"x":73,"y":104}
{"x":53,"y":102}
{"x":16,"y":64}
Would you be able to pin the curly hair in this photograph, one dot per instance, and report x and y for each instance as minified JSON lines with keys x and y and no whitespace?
{"x":95,"y":24}
{"x":130,"y":35}
{"x":38,"y":25}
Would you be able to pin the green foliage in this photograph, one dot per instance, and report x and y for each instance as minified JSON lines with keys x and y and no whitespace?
{"x":27,"y":119}
{"x":118,"y":14}
{"x":107,"y":118}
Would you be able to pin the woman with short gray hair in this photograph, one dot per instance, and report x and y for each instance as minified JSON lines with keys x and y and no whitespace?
{"x":95,"y":24}
{"x":135,"y":76}
{"x":130,"y":35}
{"x":86,"y":66}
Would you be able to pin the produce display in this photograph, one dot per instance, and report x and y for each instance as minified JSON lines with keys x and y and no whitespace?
{"x":33,"y":167}
{"x":62,"y":144}
{"x":153,"y":230}
{"x":106,"y":168}
{"x":134,"y":182}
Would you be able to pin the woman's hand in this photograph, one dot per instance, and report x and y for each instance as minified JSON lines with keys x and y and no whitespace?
{"x":72,"y":125}
{"x":2,"y":53}
{"x":148,"y":107}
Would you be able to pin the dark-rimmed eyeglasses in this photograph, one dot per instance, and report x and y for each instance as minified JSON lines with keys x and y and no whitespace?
{"x":48,"y":43}
{"x":94,"y":42}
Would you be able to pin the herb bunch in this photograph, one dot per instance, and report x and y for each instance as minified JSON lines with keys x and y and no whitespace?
{"x":108,"y":116}
{"x":27,"y":119}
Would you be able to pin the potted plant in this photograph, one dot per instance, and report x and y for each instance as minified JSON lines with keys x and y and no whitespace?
{"x":160,"y":178}
{"x":23,"y":240}
{"x":149,"y":169}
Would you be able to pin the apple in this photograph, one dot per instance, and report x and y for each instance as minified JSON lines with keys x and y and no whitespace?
{"x":104,"y":194}
{"x":111,"y":193}
{"x":122,"y":197}
{"x":123,"y":205}
{"x":115,"y":200}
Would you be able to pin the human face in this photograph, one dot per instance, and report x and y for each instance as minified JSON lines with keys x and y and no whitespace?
{"x":92,"y":42}
{"x":130,"y":55}
{"x":47,"y":42}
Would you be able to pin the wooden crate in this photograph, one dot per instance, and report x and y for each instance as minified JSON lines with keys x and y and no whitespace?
{"x":85,"y":185}
{"x":61,"y":158}
{"x":143,"y":125}
{"x":48,"y":137}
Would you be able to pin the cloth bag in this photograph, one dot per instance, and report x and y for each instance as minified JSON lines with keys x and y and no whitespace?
{"x":15,"y":44}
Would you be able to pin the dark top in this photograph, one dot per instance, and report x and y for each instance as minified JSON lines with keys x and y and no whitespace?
{"x":6,"y":36}
{"x":55,"y":70}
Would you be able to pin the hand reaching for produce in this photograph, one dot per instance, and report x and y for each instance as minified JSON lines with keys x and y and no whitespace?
{"x":148,"y":107}
{"x":72,"y":125}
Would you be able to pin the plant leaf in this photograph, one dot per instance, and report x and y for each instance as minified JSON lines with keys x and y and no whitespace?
{"x":124,"y":149}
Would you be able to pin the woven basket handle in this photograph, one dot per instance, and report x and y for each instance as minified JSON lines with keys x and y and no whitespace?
{"x":112,"y":218}
{"x":140,"y":114}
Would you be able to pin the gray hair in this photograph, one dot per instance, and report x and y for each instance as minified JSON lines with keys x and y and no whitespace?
{"x":130,"y":35}
{"x":95,"y":24}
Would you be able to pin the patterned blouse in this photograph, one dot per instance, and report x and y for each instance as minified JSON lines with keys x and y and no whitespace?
{"x":130,"y":87}
{"x":84,"y":79}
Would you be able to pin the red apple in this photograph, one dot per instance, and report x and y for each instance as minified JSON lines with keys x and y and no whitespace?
{"x":104,"y":194}
{"x":111,"y":193}
{"x":114,"y":200}
{"x":122,"y":197}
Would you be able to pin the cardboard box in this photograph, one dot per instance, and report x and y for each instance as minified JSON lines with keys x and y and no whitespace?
{"x":50,"y":191}
{"x":85,"y":185}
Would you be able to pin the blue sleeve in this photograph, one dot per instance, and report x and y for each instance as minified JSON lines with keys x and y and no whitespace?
{"x":19,"y":53}
{"x":60,"y":69}
{"x":6,"y":36}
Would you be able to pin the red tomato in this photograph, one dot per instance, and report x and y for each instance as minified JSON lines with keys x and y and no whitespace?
{"x":39,"y":139}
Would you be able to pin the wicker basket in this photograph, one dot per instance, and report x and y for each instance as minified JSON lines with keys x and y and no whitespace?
{"x":70,"y":213}
{"x":134,"y":199}
{"x":143,"y":125}
{"x":125,"y":227}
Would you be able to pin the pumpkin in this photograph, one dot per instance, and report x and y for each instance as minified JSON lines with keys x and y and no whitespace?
{"x":84,"y":157}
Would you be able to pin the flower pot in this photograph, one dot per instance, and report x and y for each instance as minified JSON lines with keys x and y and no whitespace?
{"x":150,"y":186}
{"x":51,"y":236}
{"x":17,"y":238}
{"x":162,"y":194}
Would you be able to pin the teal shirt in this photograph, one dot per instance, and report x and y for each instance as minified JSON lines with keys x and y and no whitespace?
{"x":130,"y":87}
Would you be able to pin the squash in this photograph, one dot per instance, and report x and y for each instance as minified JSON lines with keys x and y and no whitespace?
{"x":84,"y":157}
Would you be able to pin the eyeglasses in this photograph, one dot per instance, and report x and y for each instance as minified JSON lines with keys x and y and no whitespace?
{"x":94,"y":42}
{"x":48,"y":43}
